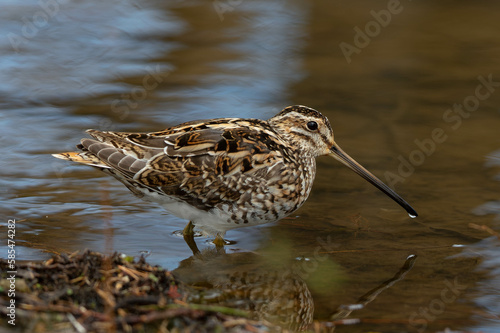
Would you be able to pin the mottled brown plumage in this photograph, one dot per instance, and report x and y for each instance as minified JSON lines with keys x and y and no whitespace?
{"x":223,"y":173}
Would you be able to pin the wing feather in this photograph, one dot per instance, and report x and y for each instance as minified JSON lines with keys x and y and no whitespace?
{"x":181,"y":160}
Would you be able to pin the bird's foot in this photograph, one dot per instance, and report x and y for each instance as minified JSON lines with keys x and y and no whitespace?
{"x":219,"y":242}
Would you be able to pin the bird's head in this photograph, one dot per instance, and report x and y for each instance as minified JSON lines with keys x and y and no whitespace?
{"x":309,"y":132}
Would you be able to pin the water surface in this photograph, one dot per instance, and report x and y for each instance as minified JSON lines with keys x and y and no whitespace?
{"x":127,"y":66}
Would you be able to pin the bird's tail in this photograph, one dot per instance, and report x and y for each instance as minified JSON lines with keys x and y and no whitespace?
{"x":84,"y":157}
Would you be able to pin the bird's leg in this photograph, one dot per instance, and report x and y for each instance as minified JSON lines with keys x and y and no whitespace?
{"x":219,"y":242}
{"x":188,"y":230}
{"x":188,"y":234}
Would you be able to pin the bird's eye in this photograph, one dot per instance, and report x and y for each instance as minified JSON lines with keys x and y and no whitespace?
{"x":312,"y":125}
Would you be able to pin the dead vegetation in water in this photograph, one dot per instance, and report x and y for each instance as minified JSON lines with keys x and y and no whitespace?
{"x":91,"y":292}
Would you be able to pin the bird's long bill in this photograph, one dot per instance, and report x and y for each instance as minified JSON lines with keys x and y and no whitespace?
{"x":340,"y":155}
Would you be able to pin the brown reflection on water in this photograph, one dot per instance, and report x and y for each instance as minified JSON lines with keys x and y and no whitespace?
{"x":261,"y":57}
{"x":396,"y":91}
{"x":272,"y":286}
{"x":268,"y":288}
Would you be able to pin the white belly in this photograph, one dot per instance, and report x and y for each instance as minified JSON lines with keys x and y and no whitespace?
{"x":215,"y":221}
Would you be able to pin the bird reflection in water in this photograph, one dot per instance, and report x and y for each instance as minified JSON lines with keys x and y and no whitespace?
{"x":245,"y":281}
{"x":268,"y":292}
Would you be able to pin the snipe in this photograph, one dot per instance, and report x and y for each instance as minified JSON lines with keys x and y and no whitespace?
{"x":224,"y":173}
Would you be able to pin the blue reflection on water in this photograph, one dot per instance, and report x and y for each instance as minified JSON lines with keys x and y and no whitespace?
{"x":63,"y":76}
